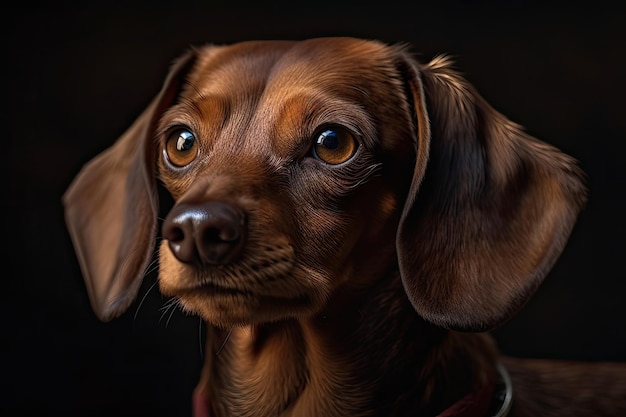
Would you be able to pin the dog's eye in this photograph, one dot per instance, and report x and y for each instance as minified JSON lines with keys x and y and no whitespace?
{"x":334,"y":146}
{"x":181,"y":147}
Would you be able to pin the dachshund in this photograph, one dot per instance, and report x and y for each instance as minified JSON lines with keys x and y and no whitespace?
{"x":350,"y":223}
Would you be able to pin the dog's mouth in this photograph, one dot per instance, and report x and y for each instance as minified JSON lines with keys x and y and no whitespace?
{"x":226,"y":307}
{"x":207,"y":291}
{"x":284,"y":294}
{"x":266,"y":285}
{"x":210,"y":290}
{"x":213,"y":289}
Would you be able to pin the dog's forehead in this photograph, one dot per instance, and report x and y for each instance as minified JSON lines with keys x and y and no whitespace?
{"x":322,"y":63}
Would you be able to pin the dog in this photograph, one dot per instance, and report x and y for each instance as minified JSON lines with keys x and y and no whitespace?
{"x":350,"y":223}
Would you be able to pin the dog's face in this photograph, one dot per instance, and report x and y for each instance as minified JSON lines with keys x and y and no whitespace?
{"x":309,"y":162}
{"x":304,"y":172}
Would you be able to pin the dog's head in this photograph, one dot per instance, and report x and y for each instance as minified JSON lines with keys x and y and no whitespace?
{"x":304,"y":170}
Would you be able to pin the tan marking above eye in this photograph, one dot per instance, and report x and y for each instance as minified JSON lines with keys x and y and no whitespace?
{"x":181,"y":147}
{"x":334,"y":145}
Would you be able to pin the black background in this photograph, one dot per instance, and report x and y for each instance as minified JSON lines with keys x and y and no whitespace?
{"x":74,"y":78}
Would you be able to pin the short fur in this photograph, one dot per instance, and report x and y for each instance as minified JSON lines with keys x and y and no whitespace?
{"x":362,"y":288}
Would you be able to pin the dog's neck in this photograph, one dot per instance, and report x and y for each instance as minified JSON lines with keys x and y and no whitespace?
{"x":366,"y":358}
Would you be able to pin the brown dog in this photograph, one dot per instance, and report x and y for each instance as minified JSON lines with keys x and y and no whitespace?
{"x":348,"y":222}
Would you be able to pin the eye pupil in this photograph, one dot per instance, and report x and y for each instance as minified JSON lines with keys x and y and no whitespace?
{"x":185,"y":141}
{"x":328,"y":139}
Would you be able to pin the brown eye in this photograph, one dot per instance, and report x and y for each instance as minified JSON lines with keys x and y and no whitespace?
{"x":181,"y":147}
{"x":334,"y":146}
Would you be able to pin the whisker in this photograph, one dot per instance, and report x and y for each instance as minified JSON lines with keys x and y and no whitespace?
{"x":169,"y":305}
{"x":152,"y":266}
{"x":144,"y":299}
{"x":166,"y":306}
{"x":370,"y":171}
{"x":230,"y":331}
{"x":174,"y":305}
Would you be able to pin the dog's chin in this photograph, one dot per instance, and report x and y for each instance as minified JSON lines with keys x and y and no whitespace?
{"x":228,"y":309}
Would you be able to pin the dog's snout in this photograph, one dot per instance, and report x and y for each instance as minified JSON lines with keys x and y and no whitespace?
{"x":210,"y":233}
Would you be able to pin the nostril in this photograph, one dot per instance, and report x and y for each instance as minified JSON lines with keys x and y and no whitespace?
{"x":223,"y":227}
{"x":207,"y":233}
{"x":174,"y":234}
{"x":177,"y":229}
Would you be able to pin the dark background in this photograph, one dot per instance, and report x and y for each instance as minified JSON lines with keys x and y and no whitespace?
{"x":74,"y":78}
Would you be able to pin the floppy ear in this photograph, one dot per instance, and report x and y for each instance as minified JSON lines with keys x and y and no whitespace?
{"x":489,"y":209}
{"x":111,"y":207}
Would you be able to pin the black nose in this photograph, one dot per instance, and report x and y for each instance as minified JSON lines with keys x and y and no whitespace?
{"x":210,"y":233}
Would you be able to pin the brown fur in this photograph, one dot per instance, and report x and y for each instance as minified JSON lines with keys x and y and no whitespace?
{"x":360,"y":289}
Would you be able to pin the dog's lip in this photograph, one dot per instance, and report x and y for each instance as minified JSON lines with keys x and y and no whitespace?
{"x":212,"y":290}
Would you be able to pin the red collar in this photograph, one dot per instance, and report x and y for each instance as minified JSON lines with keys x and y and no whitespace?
{"x":492,"y":399}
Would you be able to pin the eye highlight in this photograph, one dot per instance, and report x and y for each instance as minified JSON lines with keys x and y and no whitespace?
{"x":181,"y":147}
{"x":334,"y":146}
